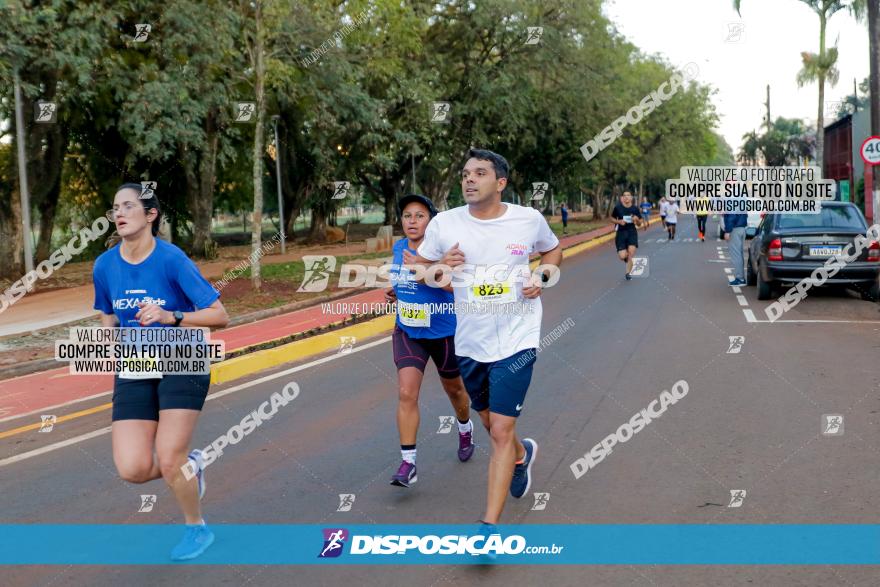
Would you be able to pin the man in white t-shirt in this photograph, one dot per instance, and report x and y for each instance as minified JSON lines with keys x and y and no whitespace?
{"x":671,"y":218}
{"x":488,"y":243}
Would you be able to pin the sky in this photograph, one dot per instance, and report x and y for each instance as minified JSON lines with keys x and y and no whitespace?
{"x":767,"y":50}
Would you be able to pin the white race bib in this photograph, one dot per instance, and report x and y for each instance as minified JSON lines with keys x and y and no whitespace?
{"x":143,"y":368}
{"x":415,"y":315}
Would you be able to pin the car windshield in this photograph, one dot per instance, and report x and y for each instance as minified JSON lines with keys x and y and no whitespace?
{"x":829,"y":217}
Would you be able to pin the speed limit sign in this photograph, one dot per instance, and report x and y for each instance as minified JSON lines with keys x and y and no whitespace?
{"x":870,"y":151}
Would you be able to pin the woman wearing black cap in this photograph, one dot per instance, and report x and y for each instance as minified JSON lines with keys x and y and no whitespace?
{"x":421,"y":332}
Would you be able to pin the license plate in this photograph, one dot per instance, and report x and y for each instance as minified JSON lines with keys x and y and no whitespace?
{"x":824,"y":250}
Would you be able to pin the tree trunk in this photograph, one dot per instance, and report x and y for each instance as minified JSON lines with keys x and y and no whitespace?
{"x":390,"y":187}
{"x":47,"y":208}
{"x":597,"y":201}
{"x":318,"y":227}
{"x":45,"y":175}
{"x":12,"y":244}
{"x":45,"y":147}
{"x":820,"y":119}
{"x":256,"y":229}
{"x":820,"y":127}
{"x":202,"y":206}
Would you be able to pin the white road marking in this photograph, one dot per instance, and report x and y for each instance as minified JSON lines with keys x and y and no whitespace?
{"x":728,"y":270}
{"x":750,"y":316}
{"x":742,"y":300}
{"x":736,"y":289}
{"x":95,"y":433}
{"x":812,"y":321}
{"x":51,"y":447}
{"x":49,"y":409}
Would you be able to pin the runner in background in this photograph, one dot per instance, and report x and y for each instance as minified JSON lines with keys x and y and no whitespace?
{"x":671,"y":218}
{"x":664,"y":204}
{"x":646,"y":212}
{"x":563,"y":210}
{"x":626,"y":218}
{"x":420,"y":333}
{"x":702,"y":216}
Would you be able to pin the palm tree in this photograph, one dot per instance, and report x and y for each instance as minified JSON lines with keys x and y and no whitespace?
{"x":787,"y":142}
{"x":820,"y":67}
{"x":748,"y":153}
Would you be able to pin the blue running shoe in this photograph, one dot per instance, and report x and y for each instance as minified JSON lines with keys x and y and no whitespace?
{"x":405,"y":476}
{"x":522,"y":473}
{"x":196,"y":540}
{"x":487,"y":529}
{"x":199,"y":466}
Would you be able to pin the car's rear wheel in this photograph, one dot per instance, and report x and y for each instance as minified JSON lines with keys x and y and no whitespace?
{"x":871,"y":291}
{"x":765,"y":288}
{"x":751,"y":276}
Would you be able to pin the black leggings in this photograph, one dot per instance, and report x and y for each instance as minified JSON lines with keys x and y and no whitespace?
{"x":701,"y":223}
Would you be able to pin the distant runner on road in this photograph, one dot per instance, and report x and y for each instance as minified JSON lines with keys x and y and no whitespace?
{"x":702,"y":216}
{"x":646,"y":212}
{"x":671,"y":218}
{"x":626,"y":219}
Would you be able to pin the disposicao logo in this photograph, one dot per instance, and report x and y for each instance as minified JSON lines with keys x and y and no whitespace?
{"x":334,"y":541}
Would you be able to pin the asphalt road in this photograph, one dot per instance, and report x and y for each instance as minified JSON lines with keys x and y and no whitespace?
{"x":751,"y":420}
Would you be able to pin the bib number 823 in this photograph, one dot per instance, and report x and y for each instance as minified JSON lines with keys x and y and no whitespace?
{"x":490,"y":289}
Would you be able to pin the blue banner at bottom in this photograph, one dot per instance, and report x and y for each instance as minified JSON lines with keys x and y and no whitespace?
{"x":524,"y":544}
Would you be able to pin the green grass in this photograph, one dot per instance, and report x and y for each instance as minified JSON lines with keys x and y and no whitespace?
{"x":577,"y":227}
{"x":295,"y":270}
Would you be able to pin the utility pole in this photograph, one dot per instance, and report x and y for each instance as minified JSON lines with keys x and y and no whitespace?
{"x":856,"y":95}
{"x":874,"y":44}
{"x":22,"y":177}
{"x":275,"y":119}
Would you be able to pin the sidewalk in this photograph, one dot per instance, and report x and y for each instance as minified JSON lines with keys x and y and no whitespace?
{"x":38,"y":391}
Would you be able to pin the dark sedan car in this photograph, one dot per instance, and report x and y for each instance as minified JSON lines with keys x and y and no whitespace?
{"x":786,"y":248}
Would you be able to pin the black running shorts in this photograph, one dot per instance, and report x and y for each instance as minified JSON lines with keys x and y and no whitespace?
{"x":414,"y":352}
{"x":142,"y":399}
{"x":626,"y":238}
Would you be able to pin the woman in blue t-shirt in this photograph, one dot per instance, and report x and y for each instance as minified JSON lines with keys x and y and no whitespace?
{"x":146,"y":282}
{"x":424,"y":329}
